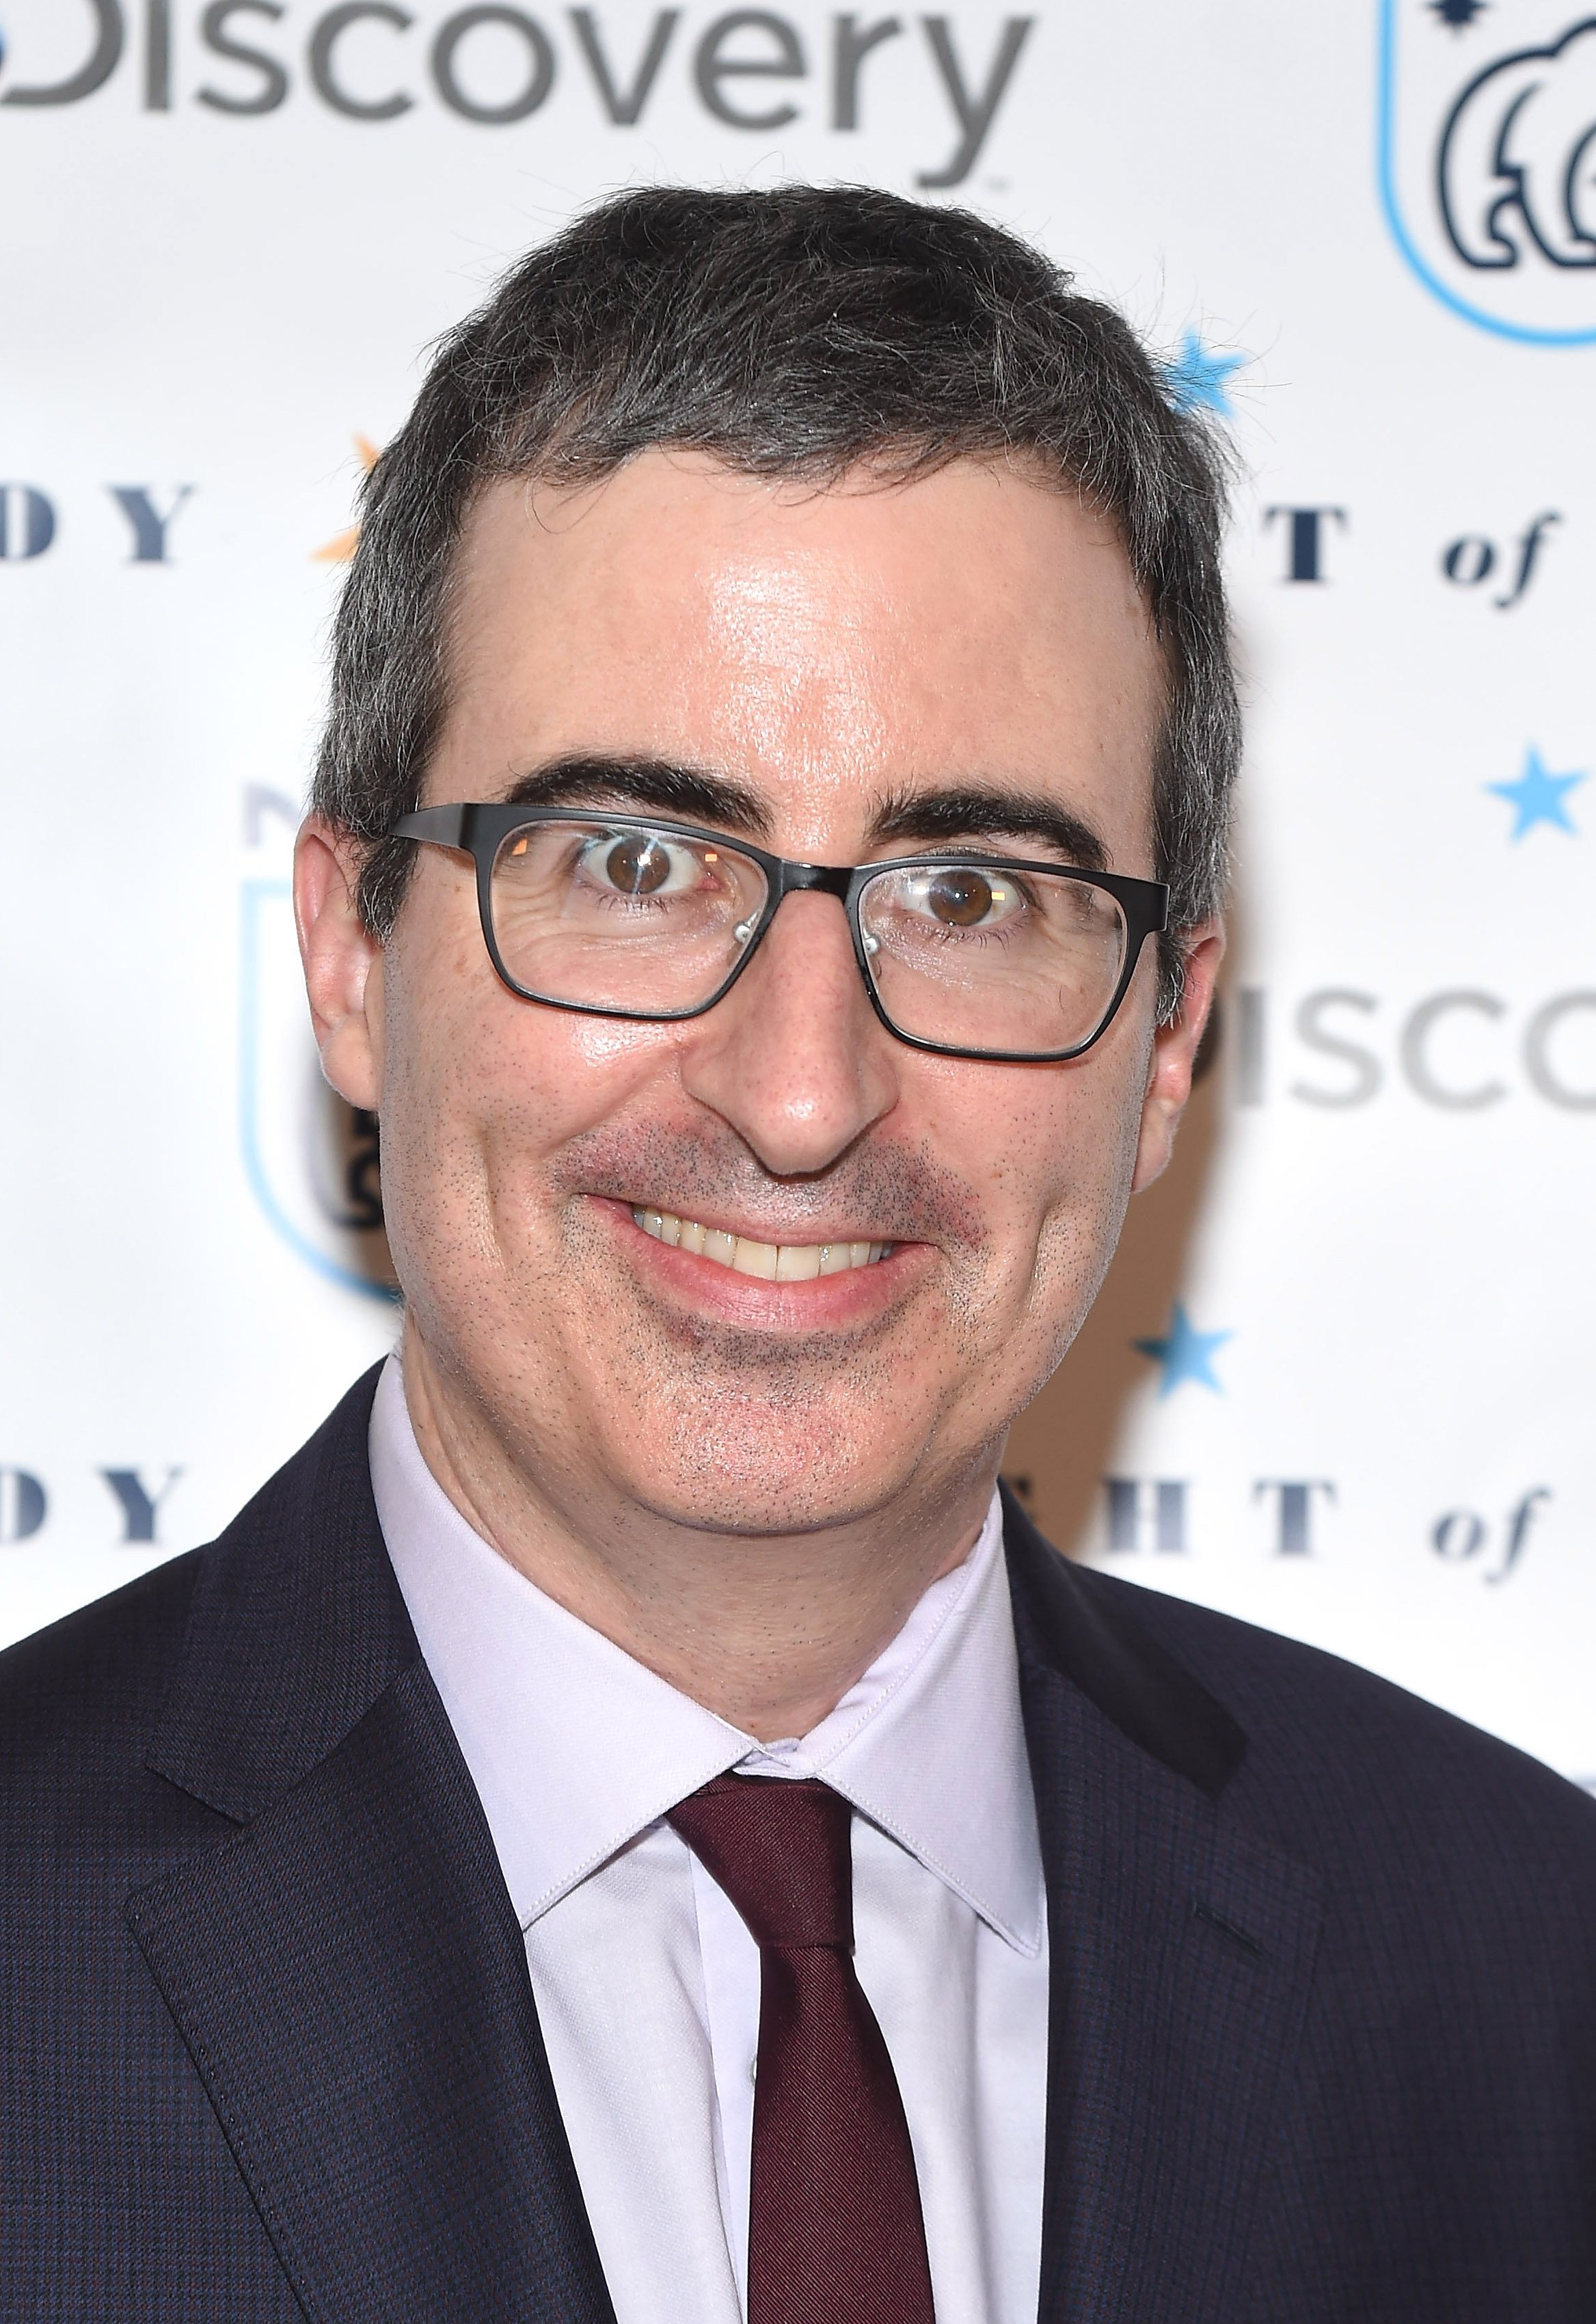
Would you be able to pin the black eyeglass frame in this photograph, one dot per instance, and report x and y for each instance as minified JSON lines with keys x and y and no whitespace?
{"x":479,"y":828}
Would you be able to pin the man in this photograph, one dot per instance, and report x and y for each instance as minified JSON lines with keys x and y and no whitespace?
{"x":627,"y":1824}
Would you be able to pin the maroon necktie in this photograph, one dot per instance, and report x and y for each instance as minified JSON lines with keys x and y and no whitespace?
{"x":835,"y":2230}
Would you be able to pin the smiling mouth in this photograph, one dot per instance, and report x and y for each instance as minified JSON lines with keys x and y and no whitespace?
{"x":771,"y":1262}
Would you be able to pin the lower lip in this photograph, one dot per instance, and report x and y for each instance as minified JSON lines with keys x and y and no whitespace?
{"x":825,"y":1303}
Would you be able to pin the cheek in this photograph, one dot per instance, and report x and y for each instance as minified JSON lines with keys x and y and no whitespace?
{"x":480,"y":1088}
{"x":1081,"y":1222}
{"x":1059,"y":1179}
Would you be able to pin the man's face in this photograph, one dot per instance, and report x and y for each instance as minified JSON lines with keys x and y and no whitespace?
{"x":838,"y":656}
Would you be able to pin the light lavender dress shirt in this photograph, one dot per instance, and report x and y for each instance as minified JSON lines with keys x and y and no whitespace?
{"x":647,"y":1982}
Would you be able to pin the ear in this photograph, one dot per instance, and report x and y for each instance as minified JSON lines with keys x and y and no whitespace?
{"x":342,"y":961}
{"x":1174,"y":1053}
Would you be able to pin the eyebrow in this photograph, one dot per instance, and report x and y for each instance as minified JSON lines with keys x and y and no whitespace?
{"x":955,"y":815}
{"x":962,"y":814}
{"x":599,"y":779}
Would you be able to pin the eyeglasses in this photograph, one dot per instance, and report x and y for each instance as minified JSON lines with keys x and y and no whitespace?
{"x":968,"y":955}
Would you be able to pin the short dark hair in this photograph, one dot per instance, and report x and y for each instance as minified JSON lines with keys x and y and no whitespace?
{"x":804,"y":332}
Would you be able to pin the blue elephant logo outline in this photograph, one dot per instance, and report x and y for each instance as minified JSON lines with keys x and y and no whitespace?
{"x":1486,"y":165}
{"x":1538,"y":176}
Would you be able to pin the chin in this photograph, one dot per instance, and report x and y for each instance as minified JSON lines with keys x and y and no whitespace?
{"x":740,"y":1479}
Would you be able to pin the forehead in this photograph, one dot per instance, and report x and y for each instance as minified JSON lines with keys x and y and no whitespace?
{"x":826,"y":646}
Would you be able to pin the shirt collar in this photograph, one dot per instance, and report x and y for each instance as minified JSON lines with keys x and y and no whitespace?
{"x":574,"y":1748}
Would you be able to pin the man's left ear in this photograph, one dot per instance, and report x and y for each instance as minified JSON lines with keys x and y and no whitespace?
{"x":1175,"y":1052}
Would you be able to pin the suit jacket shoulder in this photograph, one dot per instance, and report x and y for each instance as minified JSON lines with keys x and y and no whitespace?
{"x":1335,"y":1754}
{"x":297,"y":1613}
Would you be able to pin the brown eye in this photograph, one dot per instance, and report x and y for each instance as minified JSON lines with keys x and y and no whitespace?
{"x":959,"y":898}
{"x":637,"y":866}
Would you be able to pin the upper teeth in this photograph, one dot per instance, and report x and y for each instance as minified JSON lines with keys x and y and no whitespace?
{"x":776,"y":1262}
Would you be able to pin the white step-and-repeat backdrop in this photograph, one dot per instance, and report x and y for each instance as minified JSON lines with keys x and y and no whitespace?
{"x":1340,"y":1380}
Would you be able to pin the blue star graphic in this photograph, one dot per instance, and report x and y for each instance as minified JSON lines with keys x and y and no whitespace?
{"x":1538,"y":796}
{"x":1185,"y":1352}
{"x":1197,"y":376}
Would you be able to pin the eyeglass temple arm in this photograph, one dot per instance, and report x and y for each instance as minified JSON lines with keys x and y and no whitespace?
{"x":447,"y":826}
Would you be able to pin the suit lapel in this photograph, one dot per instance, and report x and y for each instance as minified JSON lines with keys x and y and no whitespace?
{"x":346,"y":1968}
{"x":1181,"y":1954}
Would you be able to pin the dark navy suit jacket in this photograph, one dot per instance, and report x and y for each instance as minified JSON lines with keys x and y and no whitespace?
{"x":1323,"y":2037}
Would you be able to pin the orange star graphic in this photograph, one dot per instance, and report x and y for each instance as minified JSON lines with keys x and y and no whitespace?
{"x":341,"y":549}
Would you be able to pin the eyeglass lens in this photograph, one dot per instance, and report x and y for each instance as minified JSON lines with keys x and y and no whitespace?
{"x":614,"y":915}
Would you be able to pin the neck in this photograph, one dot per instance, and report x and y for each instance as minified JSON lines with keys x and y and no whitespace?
{"x":769,"y":1631}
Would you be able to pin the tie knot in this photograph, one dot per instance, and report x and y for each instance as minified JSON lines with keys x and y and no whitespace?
{"x":780,"y":1850}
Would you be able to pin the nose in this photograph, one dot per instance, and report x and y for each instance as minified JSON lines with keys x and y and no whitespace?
{"x":794,"y":1057}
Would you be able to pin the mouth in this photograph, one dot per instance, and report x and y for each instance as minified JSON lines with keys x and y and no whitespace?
{"x":768,"y":1263}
